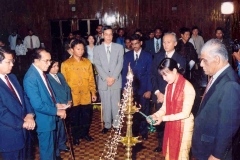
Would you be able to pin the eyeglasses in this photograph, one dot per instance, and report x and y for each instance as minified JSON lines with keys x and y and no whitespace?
{"x":46,"y":61}
{"x":9,"y":61}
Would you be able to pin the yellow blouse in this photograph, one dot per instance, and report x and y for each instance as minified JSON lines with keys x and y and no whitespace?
{"x":80,"y":78}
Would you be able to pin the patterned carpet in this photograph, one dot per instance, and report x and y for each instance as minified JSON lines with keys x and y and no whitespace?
{"x":93,"y":150}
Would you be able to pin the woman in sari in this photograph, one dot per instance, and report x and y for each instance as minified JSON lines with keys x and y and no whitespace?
{"x":176,"y":112}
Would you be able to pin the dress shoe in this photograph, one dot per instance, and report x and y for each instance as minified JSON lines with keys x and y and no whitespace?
{"x":145,"y":137}
{"x":58,"y":158}
{"x":67,"y":149}
{"x":88,"y":138}
{"x":76,"y":142}
{"x":158,"y":149}
{"x":105,"y":130}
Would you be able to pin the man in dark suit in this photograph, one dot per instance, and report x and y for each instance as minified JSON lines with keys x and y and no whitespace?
{"x":63,"y":94}
{"x":17,"y":115}
{"x":140,"y":62}
{"x":154,"y":45}
{"x":217,"y":120}
{"x":158,"y":84}
{"x":43,"y":101}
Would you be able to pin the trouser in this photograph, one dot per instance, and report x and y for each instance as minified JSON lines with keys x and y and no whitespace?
{"x":46,"y":145}
{"x":140,"y":124}
{"x":14,"y":155}
{"x":110,"y":100}
{"x":81,"y":119}
{"x":60,"y":137}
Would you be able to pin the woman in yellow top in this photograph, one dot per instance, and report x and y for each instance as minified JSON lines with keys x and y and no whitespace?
{"x":176,"y":112}
{"x":78,"y":73}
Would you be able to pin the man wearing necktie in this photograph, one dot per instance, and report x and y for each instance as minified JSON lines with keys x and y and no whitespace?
{"x":17,"y":115}
{"x":43,"y":101}
{"x":158,"y":83}
{"x":140,"y":62}
{"x":154,"y":45}
{"x":108,"y":59}
{"x":30,"y":42}
{"x":217,"y":120}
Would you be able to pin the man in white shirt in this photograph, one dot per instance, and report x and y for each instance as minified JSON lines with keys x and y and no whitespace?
{"x":12,"y":39}
{"x":31,"y":41}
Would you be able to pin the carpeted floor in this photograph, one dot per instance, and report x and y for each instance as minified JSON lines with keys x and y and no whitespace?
{"x":93,"y":150}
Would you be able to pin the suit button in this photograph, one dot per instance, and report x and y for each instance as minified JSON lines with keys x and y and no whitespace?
{"x":109,"y":71}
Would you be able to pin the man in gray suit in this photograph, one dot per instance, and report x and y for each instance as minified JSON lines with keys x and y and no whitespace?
{"x":108,"y":59}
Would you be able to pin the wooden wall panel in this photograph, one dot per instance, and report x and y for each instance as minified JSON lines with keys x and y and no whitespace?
{"x":130,"y":14}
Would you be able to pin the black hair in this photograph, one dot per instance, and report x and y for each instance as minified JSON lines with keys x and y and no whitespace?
{"x":51,"y":65}
{"x":99,"y":25}
{"x":2,"y":51}
{"x":170,"y":64}
{"x":36,"y":53}
{"x":106,"y":28}
{"x":184,"y":29}
{"x":195,"y":27}
{"x":138,"y":30}
{"x":135,"y":37}
{"x":127,"y":38}
{"x":219,"y":28}
{"x":30,"y":29}
{"x":157,"y":29}
{"x":90,"y":35}
{"x":75,"y":42}
{"x":119,"y":29}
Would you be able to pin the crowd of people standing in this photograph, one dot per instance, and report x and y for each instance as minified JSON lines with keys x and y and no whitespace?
{"x":164,"y":69}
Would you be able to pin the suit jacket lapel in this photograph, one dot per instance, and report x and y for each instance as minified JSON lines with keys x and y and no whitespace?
{"x":41,"y":80}
{"x":113,"y":56}
{"x":103,"y":54}
{"x":18,"y":88}
{"x":6,"y":88}
{"x":212,"y":89}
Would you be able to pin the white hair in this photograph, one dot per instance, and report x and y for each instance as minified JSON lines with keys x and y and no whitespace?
{"x":215,"y":47}
{"x":173,"y":34}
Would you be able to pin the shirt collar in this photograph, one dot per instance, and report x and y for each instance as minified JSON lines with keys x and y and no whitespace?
{"x":170,"y":54}
{"x":215,"y":76}
{"x":138,"y":53}
{"x":39,"y":71}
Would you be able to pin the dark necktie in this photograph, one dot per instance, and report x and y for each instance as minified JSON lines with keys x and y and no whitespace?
{"x":11,"y":88}
{"x":108,"y":53}
{"x":31,"y":42}
{"x":157,"y":46}
{"x":44,"y":75}
{"x":207,"y":88}
{"x":136,"y":60}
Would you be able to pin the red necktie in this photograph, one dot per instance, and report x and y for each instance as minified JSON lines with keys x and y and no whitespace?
{"x":11,"y":88}
{"x":44,"y":75}
{"x":208,"y":86}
